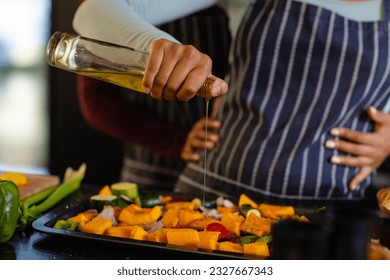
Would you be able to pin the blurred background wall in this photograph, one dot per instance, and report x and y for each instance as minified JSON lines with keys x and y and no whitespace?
{"x":24,"y":115}
{"x":72,"y":141}
{"x":41,"y":127}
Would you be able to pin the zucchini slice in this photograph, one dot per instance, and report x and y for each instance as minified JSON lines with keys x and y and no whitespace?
{"x":245,"y":208}
{"x":149,"y":200}
{"x":254,"y":211}
{"x":100,"y":200}
{"x":125,"y":188}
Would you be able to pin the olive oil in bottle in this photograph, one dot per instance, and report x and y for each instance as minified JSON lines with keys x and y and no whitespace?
{"x":131,"y":79}
{"x":120,"y":65}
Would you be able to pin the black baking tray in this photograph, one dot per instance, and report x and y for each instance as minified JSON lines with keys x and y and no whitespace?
{"x":79,"y":202}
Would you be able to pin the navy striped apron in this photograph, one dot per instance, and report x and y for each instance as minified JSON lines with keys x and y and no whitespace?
{"x":148,"y":169}
{"x":298,"y":71}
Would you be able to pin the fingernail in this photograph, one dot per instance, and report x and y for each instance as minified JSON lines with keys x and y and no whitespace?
{"x":373,"y":110}
{"x":216,"y":91}
{"x":147,"y":90}
{"x":330,"y":144}
{"x":335,"y":159}
{"x":352,"y":187}
{"x":216,"y":124}
{"x":335,"y":132}
{"x":214,"y":137}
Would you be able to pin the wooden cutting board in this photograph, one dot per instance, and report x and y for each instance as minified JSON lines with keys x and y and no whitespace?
{"x":36,"y":183}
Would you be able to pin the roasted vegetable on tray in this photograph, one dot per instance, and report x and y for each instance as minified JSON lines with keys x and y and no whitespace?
{"x":120,"y":211}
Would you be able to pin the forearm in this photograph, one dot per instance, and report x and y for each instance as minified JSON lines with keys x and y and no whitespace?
{"x":131,"y":23}
{"x":109,"y":112}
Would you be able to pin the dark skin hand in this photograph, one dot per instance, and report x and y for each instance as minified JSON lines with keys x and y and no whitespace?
{"x":196,"y":138}
{"x":176,"y":71}
{"x":383,"y":196}
{"x":195,"y":141}
{"x":368,"y":149}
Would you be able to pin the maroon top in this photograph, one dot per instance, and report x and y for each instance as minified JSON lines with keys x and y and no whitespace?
{"x":107,"y":110}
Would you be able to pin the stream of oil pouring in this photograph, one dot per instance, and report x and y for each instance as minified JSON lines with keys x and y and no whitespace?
{"x":205,"y":152}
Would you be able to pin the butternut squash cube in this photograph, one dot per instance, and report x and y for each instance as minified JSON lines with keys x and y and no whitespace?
{"x":201,"y":224}
{"x":186,"y":216}
{"x":171,"y":218}
{"x":183,"y":237}
{"x":166,"y":199}
{"x":82,"y":218}
{"x":230,"y":247}
{"x":244,"y":199}
{"x":106,"y":190}
{"x":135,"y":215}
{"x":232,"y":222}
{"x":122,"y":231}
{"x":134,"y":208}
{"x":257,"y":226}
{"x":276,"y":211}
{"x":155,"y":213}
{"x":208,"y":240}
{"x":256,"y":248}
{"x":121,"y":224}
{"x":97,"y":226}
{"x":180,"y":205}
{"x":159,"y":235}
{"x":138,"y":233}
{"x":303,"y":219}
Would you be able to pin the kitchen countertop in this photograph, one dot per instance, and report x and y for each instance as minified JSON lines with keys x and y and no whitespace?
{"x":36,"y":245}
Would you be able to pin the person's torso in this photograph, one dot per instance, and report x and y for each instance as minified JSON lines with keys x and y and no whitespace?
{"x":298,"y":71}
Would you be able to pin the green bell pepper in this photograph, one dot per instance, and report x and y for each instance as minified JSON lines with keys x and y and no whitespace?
{"x":66,"y":225}
{"x":18,"y":215}
{"x":9,"y":205}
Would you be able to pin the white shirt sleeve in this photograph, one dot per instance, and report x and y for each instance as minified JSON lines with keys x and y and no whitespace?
{"x":131,"y":22}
